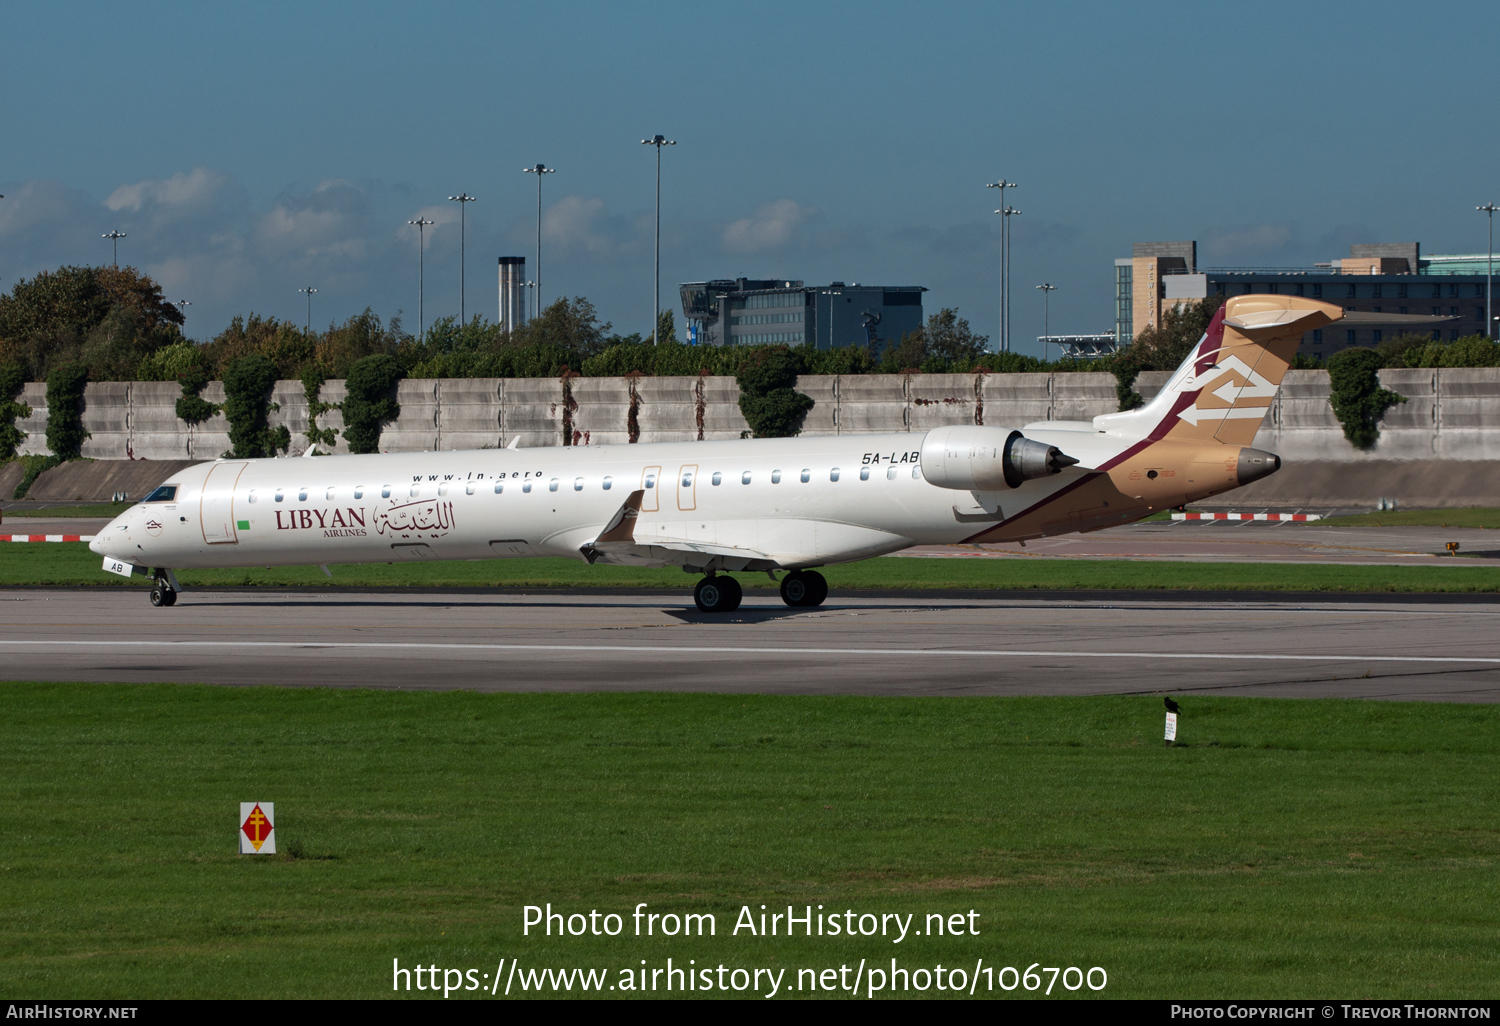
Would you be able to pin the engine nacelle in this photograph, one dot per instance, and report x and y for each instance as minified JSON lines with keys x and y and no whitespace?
{"x":986,"y":459}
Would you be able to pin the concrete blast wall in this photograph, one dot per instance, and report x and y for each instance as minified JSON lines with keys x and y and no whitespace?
{"x":1451,"y":416}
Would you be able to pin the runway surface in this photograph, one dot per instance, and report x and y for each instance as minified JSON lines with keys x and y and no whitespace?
{"x":950,"y":645}
{"x":1250,"y":542}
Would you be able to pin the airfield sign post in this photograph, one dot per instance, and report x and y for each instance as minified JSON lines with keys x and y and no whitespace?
{"x":257,"y":828}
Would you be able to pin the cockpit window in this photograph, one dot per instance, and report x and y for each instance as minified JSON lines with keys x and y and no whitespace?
{"x":166,"y":493}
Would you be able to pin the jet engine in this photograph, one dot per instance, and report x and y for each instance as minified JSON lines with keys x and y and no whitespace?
{"x":986,"y":459}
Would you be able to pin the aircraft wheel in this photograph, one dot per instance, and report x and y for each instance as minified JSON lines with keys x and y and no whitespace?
{"x":713,"y":596}
{"x":159,"y":596}
{"x":817,"y":588}
{"x":794,"y":589}
{"x":733,"y":593}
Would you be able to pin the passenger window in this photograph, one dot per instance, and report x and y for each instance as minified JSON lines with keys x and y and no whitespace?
{"x":166,"y":493}
{"x":359,"y":491}
{"x":916,"y":472}
{"x":469,"y":489}
{"x":414,"y":490}
{"x":526,"y":487}
{"x":890,"y":474}
{"x":552,"y":485}
{"x":578,"y":484}
{"x":833,"y":475}
{"x":279,"y":495}
{"x":745,"y":477}
{"x":608,"y":481}
{"x":499,"y":487}
{"x":329,"y":496}
{"x":806,"y":475}
{"x":776,"y":477}
{"x":650,"y":480}
{"x":385,"y":492}
{"x":687,"y":480}
{"x":864,"y":473}
{"x":302,"y":495}
{"x":443,"y":489}
{"x":251,"y":497}
{"x":718,"y":479}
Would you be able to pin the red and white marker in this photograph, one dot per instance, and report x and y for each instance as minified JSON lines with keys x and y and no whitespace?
{"x":1286,"y":517}
{"x":46,"y":537}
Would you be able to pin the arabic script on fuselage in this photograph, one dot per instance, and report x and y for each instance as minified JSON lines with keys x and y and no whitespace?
{"x":428,"y":518}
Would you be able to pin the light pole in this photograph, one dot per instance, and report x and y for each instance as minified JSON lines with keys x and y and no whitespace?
{"x":183,"y":304}
{"x":658,"y":141}
{"x":1006,"y":213}
{"x":1002,"y":185}
{"x":307,"y":329}
{"x":463,"y":199}
{"x":422,"y":223}
{"x":539,"y":170}
{"x":1489,"y":272}
{"x":115,"y":237}
{"x":1047,"y":291}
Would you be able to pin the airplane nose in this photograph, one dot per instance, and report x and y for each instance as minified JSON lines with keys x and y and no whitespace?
{"x":94,"y":546}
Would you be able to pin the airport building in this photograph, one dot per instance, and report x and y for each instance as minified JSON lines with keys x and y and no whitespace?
{"x":1385,"y":289}
{"x":749,"y":311}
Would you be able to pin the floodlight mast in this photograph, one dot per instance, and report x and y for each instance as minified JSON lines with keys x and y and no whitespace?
{"x":307,"y":329}
{"x":1489,"y":272}
{"x":115,"y":237}
{"x":658,"y":141}
{"x":539,"y":170}
{"x":1004,"y":341}
{"x":1047,"y":291}
{"x":463,"y":199}
{"x":421,"y":223}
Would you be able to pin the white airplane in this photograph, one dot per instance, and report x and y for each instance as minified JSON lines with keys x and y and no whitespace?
{"x":756,"y":505}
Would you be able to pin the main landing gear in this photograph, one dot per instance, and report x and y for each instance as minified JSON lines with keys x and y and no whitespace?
{"x":718,"y":594}
{"x":721,"y":593}
{"x":804,"y":588}
{"x":162,"y":592}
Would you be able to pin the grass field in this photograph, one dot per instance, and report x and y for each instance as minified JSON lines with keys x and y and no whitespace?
{"x":1286,"y":848}
{"x":73,"y":563}
{"x":1466,"y":517}
{"x":95,"y":509}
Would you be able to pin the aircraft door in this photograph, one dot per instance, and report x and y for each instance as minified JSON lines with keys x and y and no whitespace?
{"x":650,"y":484}
{"x":687,"y":487}
{"x":216,"y":504}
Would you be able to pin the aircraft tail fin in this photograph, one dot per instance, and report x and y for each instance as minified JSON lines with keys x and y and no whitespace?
{"x":1222,"y":391}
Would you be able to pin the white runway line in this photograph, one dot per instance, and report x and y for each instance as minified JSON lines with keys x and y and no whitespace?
{"x":727,"y":650}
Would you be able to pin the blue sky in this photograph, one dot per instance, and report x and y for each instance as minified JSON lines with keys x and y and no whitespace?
{"x":252,"y":149}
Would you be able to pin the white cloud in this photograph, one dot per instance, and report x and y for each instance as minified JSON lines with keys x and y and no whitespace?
{"x":770,"y":228}
{"x":192,"y":191}
{"x":571,"y":222}
{"x":1265,"y":238}
{"x":329,"y":221}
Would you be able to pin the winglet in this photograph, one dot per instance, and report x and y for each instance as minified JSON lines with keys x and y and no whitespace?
{"x":515,"y":443}
{"x":621,"y":528}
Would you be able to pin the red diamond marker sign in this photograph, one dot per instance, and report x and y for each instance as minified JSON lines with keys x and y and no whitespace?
{"x":257,"y":828}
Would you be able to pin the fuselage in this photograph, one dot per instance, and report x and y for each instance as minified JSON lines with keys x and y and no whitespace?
{"x":794,"y":502}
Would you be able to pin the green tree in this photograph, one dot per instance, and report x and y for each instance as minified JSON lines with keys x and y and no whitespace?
{"x":12,"y":380}
{"x":105,"y":317}
{"x":65,"y":432}
{"x":1356,"y":396}
{"x":371,"y":401}
{"x":248,"y":381}
{"x":772,"y":407}
{"x":666,"y":328}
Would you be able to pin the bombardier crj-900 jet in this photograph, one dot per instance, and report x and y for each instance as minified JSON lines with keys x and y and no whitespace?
{"x":755,"y":505}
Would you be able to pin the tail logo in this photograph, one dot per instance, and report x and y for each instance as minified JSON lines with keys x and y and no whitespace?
{"x":1238,"y":381}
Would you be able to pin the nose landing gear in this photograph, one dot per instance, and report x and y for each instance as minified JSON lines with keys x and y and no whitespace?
{"x":718,"y":594}
{"x":802,"y":588}
{"x":162,"y":592}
